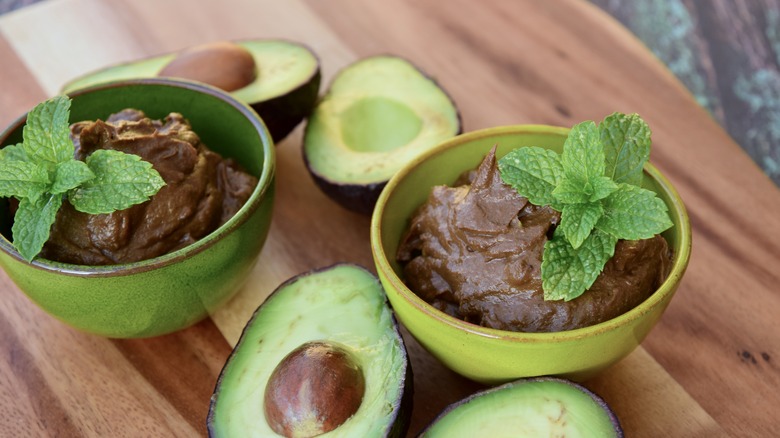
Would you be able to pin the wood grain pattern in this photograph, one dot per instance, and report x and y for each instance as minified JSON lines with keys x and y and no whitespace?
{"x":713,"y":353}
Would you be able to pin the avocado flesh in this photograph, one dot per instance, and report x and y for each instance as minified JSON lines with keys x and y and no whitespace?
{"x":345,"y":305}
{"x":544,"y":407}
{"x":378,"y":114}
{"x":283,"y":94}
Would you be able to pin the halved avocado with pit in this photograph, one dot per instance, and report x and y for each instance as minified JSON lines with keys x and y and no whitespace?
{"x":378,"y":114}
{"x":322,"y":354}
{"x":279,"y":79}
{"x":535,"y":407}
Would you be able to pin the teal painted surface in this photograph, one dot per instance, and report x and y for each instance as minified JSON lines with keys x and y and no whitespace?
{"x":727,"y":53}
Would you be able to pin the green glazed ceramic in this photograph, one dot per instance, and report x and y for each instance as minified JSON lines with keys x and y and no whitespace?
{"x":176,"y":290}
{"x":494,"y":356}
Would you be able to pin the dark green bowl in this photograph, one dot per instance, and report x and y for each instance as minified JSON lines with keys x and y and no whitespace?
{"x":176,"y":290}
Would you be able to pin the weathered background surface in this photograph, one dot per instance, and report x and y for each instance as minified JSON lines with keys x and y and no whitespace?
{"x":726,"y":52}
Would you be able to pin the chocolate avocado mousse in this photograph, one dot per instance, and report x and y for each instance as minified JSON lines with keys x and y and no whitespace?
{"x":475,"y":251}
{"x":202,"y":192}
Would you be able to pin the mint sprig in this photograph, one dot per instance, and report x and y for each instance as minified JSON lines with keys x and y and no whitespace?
{"x":41,"y":172}
{"x":595,"y":184}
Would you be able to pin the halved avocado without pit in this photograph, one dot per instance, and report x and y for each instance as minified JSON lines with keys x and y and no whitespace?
{"x":279,"y":79}
{"x":534,"y":407}
{"x":322,"y":354}
{"x":377,"y":115}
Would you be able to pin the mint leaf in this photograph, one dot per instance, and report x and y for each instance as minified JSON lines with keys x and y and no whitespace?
{"x":46,"y":133}
{"x":578,"y":220}
{"x":69,"y":175}
{"x":600,"y":188}
{"x":32,"y":224}
{"x":22,"y":180}
{"x":583,"y":167}
{"x":13,"y":153}
{"x":634,"y":213}
{"x":571,"y":191}
{"x":626,"y":140}
{"x":121,"y":180}
{"x":567,"y":272}
{"x":533,"y":172}
{"x":583,"y":154}
{"x":42,"y":169}
{"x":595,"y":186}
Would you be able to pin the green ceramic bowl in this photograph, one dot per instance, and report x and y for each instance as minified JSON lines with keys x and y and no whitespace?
{"x":176,"y":290}
{"x":493,"y":356}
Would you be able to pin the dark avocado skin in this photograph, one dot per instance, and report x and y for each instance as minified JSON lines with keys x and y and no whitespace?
{"x":398,"y":427}
{"x":283,"y":113}
{"x":361,"y":198}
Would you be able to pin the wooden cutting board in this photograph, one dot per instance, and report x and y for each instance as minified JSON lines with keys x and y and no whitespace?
{"x":710,"y":367}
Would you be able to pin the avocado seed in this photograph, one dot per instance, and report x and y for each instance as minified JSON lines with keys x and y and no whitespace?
{"x":313,"y":390}
{"x":222,"y":64}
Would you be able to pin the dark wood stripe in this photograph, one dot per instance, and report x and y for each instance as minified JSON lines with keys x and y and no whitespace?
{"x":177,"y":366}
{"x":512,"y":70}
{"x":701,"y":228}
{"x":676,"y":171}
{"x":51,"y":414}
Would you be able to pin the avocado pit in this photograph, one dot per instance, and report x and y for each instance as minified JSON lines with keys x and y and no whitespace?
{"x":330,"y":336}
{"x":223,"y":64}
{"x":313,"y":390}
{"x":279,"y":79}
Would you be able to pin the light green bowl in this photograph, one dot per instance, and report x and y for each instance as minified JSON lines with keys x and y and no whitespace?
{"x":494,"y":356}
{"x":176,"y":290}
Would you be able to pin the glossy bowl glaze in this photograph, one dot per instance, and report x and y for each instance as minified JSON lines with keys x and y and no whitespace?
{"x":494,"y":356}
{"x":176,"y":290}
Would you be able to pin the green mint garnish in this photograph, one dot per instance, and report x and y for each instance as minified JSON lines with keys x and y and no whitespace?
{"x":42,"y":172}
{"x":565,"y":270}
{"x":32,"y":223}
{"x":595,"y":184}
{"x":22,"y":180}
{"x":534,"y":171}
{"x":626,"y":140}
{"x":121,"y":181}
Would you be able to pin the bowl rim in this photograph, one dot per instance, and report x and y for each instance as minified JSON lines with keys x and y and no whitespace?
{"x":265,"y":180}
{"x":679,"y":265}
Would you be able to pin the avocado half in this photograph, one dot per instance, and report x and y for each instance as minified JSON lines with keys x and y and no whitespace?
{"x":324,"y":323}
{"x":377,"y":115}
{"x":281,"y":81}
{"x":535,"y":407}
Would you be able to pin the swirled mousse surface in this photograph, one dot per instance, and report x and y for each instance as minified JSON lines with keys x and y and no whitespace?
{"x":475,"y":250}
{"x":202,"y":192}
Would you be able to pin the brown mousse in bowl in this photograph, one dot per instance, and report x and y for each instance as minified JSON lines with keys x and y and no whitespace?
{"x":202,"y":191}
{"x":475,"y":250}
